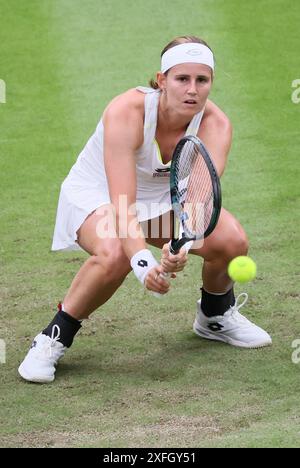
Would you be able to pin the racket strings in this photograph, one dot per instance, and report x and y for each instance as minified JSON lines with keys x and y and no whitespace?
{"x":195,"y":190}
{"x":199,"y":197}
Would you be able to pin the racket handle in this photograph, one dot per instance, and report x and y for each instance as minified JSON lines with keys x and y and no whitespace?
{"x":165,"y":275}
{"x":188,"y":246}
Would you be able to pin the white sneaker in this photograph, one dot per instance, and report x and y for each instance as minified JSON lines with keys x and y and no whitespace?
{"x":39,"y":364}
{"x":232,"y":327}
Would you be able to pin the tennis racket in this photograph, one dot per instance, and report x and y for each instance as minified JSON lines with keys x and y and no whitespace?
{"x":195,"y":194}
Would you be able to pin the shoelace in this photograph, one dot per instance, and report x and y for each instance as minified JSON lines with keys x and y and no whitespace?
{"x":236,"y":307}
{"x":54,"y":338}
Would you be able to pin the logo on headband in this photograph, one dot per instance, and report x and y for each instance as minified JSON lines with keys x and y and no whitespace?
{"x":194,"y":52}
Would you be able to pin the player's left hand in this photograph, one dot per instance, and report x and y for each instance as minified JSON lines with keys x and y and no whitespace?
{"x":173,"y":263}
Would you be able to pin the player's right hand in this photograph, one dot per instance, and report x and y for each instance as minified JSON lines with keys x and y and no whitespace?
{"x":173,"y":263}
{"x":155,"y":281}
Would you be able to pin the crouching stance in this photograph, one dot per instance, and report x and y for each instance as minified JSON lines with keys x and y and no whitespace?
{"x":122,"y":174}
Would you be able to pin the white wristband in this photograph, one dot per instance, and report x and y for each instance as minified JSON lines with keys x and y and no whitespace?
{"x":141,"y":263}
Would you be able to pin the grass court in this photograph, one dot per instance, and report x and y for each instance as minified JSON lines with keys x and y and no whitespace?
{"x":136,"y":375}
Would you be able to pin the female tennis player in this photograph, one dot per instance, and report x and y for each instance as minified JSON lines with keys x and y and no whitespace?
{"x":116,"y":200}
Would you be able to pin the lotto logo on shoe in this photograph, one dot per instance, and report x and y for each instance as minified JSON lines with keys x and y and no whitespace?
{"x":142,"y":263}
{"x":33,"y":345}
{"x":215,"y":327}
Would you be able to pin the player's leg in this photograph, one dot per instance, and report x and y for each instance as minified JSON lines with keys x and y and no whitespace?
{"x":101,"y":274}
{"x":97,"y":280}
{"x":227,"y":241}
{"x":218,"y":316}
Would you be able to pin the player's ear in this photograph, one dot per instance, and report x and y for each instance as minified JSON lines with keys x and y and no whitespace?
{"x":161,"y":80}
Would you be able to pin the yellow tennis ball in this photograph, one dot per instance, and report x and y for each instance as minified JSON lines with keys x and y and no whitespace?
{"x":242,"y":269}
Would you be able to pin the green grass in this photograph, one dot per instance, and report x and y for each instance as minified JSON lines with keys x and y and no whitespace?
{"x":136,"y":375}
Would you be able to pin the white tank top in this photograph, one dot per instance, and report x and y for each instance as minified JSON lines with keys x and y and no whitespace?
{"x":153,"y":194}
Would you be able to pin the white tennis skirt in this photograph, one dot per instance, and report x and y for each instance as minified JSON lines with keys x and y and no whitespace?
{"x":77,"y":202}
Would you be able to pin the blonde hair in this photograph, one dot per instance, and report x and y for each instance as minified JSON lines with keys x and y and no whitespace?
{"x":175,"y":42}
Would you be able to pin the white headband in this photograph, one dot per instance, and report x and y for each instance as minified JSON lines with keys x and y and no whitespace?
{"x":189,"y":52}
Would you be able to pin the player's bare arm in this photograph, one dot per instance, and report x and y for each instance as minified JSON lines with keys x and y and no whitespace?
{"x":123,"y":135}
{"x":216,"y":133}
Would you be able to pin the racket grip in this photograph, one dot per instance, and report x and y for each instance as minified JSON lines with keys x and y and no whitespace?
{"x":188,"y":246}
{"x":165,"y":275}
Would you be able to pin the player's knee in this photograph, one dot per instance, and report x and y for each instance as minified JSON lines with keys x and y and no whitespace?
{"x":237,"y":243}
{"x":113,"y":262}
{"x":232,"y":243}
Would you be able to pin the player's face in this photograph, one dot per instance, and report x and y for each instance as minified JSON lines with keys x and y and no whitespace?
{"x":187,"y":87}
